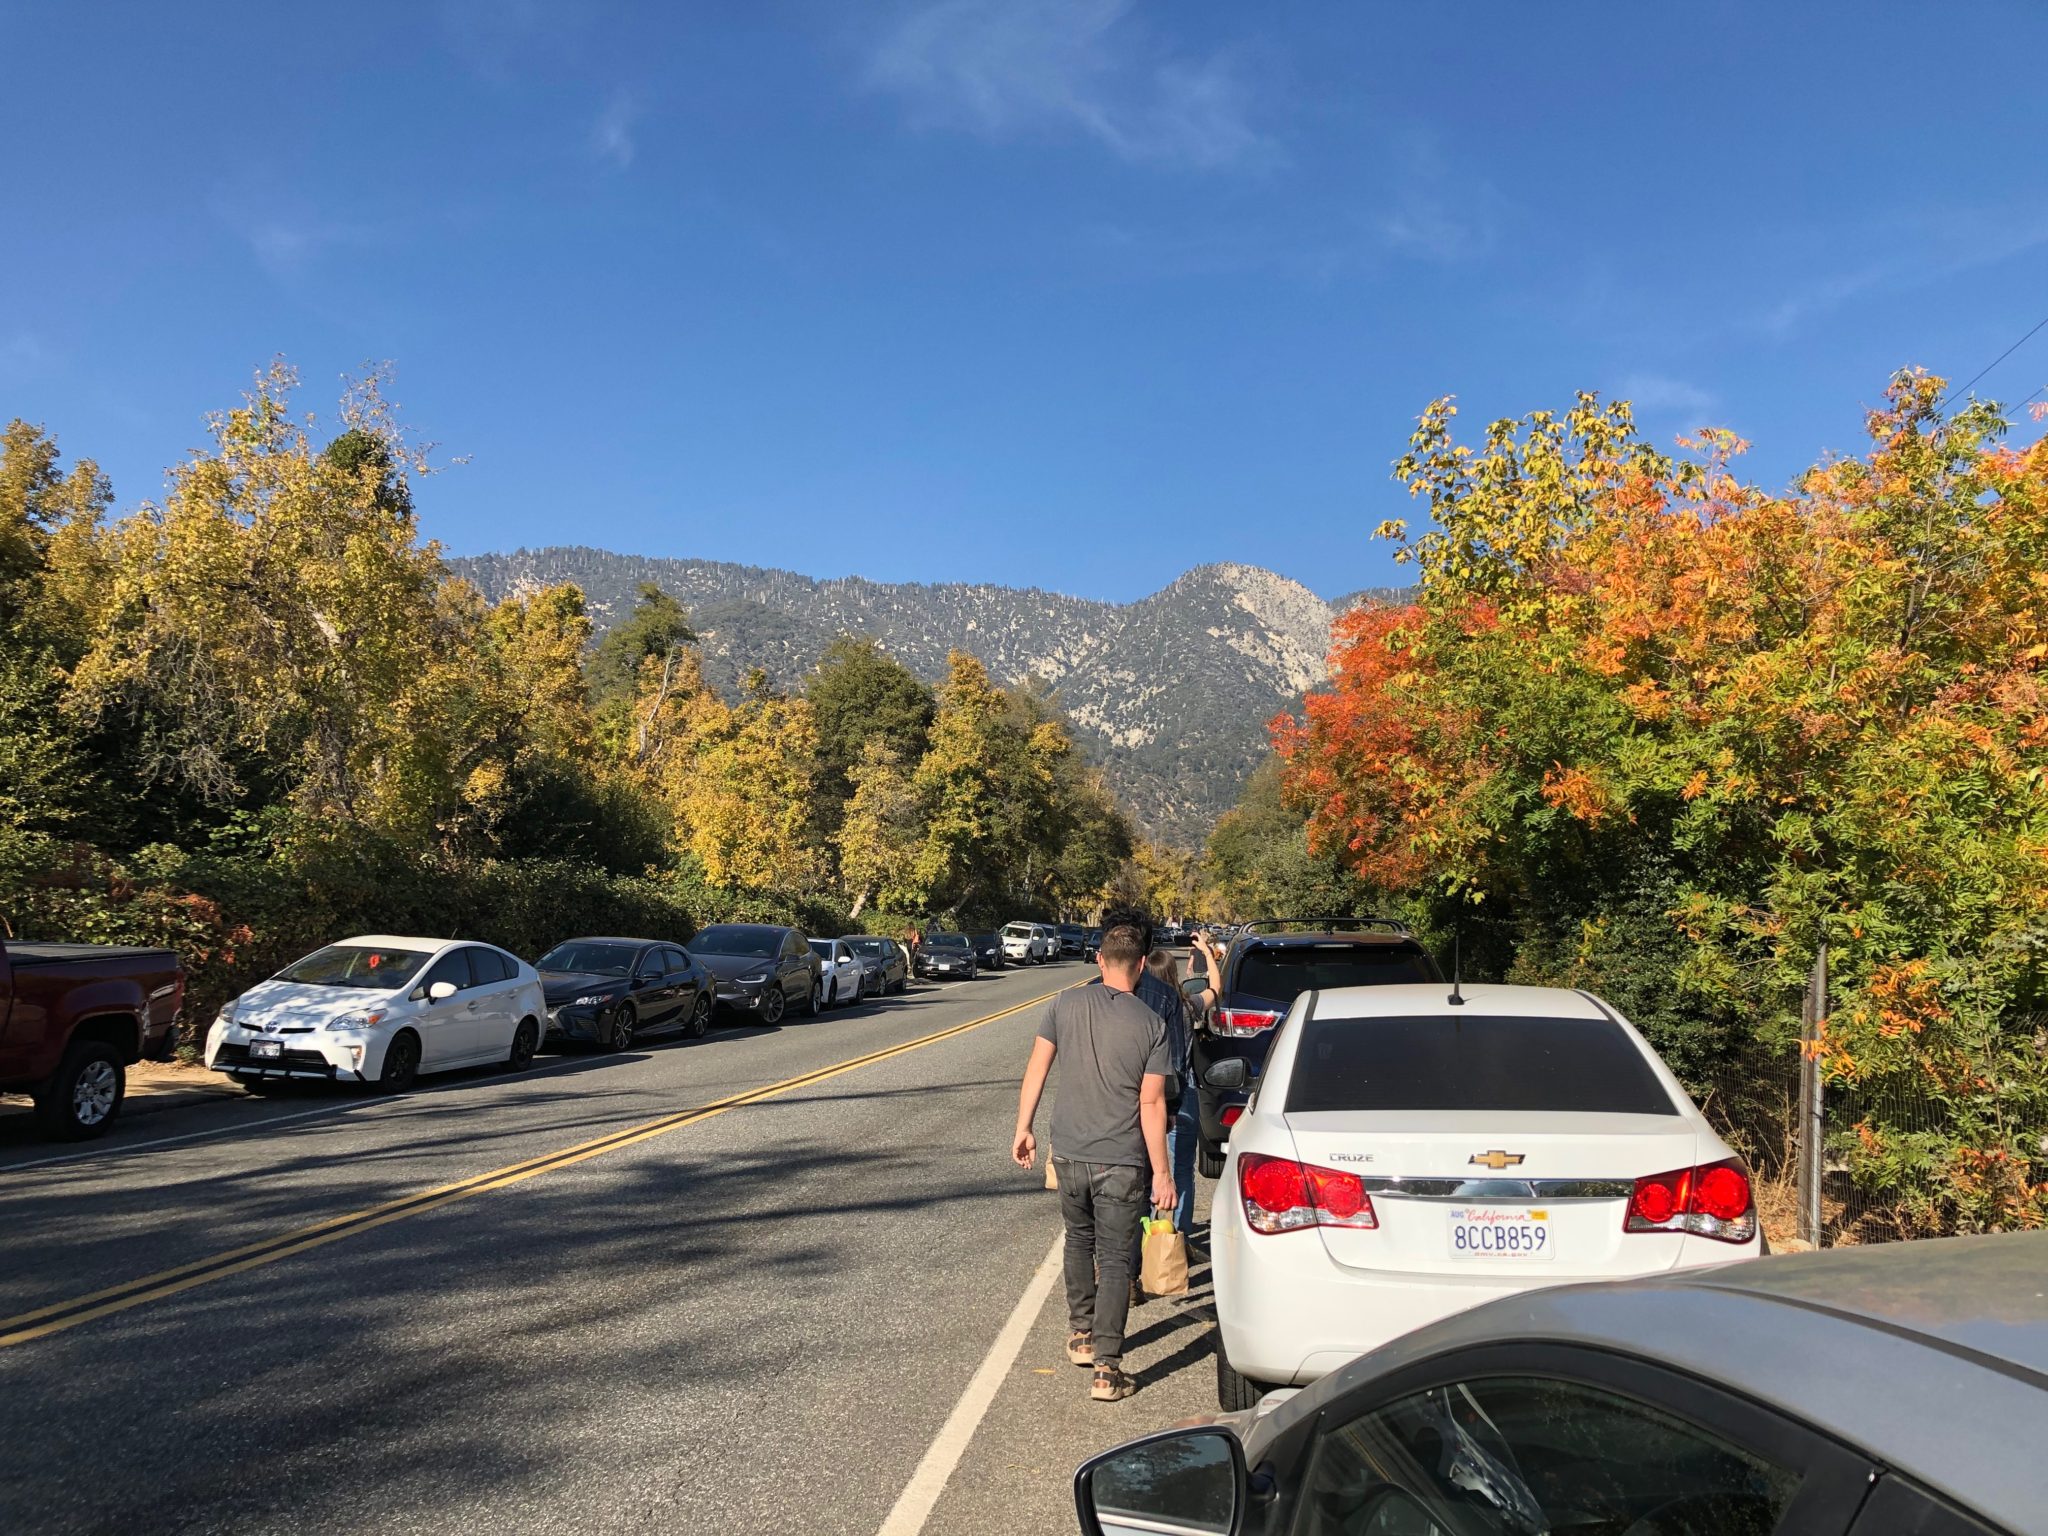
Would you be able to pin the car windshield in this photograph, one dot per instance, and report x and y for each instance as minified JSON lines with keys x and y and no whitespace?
{"x":1284,"y":972}
{"x":983,"y":938}
{"x":871,"y":947}
{"x":945,"y":941}
{"x":1017,"y":931}
{"x":1439,"y":1062}
{"x":583,"y":958}
{"x":739,"y":939}
{"x":369,"y":967}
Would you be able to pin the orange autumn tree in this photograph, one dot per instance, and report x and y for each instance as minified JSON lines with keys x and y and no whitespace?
{"x":1663,"y":733}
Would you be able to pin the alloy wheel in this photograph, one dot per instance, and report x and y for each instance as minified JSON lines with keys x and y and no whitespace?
{"x":94,"y":1094}
{"x":700,"y":1017}
{"x":623,"y":1025}
{"x":773,"y":1004}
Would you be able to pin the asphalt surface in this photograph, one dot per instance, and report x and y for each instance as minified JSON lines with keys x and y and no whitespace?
{"x":754,"y":1319}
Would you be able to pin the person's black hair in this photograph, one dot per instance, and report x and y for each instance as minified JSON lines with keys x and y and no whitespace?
{"x":1130,"y":917}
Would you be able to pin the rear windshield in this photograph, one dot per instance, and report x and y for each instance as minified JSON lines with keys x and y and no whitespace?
{"x":1284,"y":972}
{"x":1576,"y":1066}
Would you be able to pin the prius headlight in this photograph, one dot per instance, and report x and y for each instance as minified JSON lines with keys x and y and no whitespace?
{"x":356,"y":1021}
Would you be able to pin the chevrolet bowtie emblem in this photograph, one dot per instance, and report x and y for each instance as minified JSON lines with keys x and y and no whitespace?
{"x":1497,"y":1160}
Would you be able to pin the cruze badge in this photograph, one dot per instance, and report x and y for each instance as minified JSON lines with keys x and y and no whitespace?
{"x":1497,"y":1160}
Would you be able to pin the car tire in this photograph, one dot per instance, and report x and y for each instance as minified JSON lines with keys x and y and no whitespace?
{"x":84,"y":1096}
{"x":699,"y":1024}
{"x":1208,"y":1162}
{"x":814,"y":1004}
{"x":401,"y":1067}
{"x":1235,"y":1393}
{"x":625,"y":1024}
{"x":525,"y":1041}
{"x":774,"y":1004}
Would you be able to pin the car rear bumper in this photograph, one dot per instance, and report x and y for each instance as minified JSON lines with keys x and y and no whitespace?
{"x":1289,"y":1313}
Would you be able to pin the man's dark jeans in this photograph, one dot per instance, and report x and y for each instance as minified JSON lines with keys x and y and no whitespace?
{"x":1103,"y":1204}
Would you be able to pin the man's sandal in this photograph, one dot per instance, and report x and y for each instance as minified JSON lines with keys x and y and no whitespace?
{"x":1081,"y":1347}
{"x":1111,"y":1385}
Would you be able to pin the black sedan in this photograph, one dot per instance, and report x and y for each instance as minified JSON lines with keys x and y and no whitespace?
{"x":605,"y":992}
{"x":887,"y":966}
{"x":988,"y":950}
{"x":947,"y":954}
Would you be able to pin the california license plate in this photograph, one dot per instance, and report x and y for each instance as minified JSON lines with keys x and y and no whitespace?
{"x":266,"y":1049}
{"x":1482,"y":1232}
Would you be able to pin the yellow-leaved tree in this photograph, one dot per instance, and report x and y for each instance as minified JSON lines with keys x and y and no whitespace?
{"x":278,"y":621}
{"x":879,"y":838}
{"x":738,"y":779}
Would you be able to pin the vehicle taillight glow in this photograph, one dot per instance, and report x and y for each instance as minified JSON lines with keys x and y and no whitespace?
{"x":1281,"y":1195}
{"x":1232,"y":1113}
{"x":1714,"y":1200}
{"x":1240,"y":1023}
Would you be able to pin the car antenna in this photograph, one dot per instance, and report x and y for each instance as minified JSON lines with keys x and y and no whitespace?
{"x":1457,"y":997}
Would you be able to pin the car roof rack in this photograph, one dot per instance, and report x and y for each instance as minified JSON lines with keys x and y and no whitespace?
{"x":1329,"y":925}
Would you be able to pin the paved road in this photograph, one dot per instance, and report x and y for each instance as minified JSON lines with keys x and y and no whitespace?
{"x":619,"y":1313}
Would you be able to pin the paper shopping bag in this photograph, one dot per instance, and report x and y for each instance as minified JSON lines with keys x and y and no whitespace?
{"x":1052,"y":1174}
{"x":1164,"y":1271}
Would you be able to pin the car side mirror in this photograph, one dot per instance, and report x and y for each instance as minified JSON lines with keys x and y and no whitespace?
{"x":1185,"y":1480}
{"x":1195,"y":986}
{"x":441,"y":991}
{"x":1230,"y":1074}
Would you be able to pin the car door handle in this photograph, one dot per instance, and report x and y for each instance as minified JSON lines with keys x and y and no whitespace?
{"x":472,"y":1007}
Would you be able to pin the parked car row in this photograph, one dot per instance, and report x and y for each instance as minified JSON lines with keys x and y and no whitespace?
{"x":384,"y":1010}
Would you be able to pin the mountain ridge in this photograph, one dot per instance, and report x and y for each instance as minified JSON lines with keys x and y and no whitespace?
{"x":1170,"y":693}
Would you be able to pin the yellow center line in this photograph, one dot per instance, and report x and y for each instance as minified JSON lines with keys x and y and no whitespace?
{"x":56,"y":1318}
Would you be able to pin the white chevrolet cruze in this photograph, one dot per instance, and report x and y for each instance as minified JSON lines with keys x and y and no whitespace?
{"x":1408,"y":1154}
{"x":381,"y":1010}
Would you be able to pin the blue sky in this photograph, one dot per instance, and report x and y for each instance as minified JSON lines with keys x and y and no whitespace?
{"x":1075,"y":293}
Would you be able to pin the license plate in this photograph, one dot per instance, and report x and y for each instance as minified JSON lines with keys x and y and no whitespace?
{"x":1494,"y":1232}
{"x":266,"y":1049}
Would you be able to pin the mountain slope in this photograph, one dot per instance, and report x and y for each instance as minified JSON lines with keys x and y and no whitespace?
{"x":1171,"y":694}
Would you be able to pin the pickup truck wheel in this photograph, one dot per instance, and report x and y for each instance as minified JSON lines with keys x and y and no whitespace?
{"x":401,"y":1063}
{"x":85,"y":1095}
{"x":1209,"y":1163}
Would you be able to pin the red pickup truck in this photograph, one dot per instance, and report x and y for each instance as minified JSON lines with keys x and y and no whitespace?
{"x":74,"y":1018}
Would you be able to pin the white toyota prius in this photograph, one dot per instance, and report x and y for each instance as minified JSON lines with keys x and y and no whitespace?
{"x":381,"y":1010}
{"x":1411,"y":1152}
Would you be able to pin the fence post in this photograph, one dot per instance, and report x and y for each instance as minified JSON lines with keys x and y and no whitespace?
{"x":1812,"y":1165}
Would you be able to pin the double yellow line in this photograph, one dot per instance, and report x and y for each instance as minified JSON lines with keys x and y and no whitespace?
{"x":44,"y":1321}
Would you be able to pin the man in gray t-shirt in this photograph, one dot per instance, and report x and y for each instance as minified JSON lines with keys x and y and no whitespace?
{"x":1109,"y":1144}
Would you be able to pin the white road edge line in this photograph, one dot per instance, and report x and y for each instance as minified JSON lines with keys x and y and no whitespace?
{"x":921,"y":1494}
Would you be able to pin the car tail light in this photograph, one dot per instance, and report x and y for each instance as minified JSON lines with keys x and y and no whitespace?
{"x":1285,"y":1196}
{"x":1232,"y":1113}
{"x":1714,"y":1200}
{"x":1238,"y":1023}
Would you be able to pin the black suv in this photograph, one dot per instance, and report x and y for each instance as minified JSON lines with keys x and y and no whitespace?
{"x":1073,"y":941}
{"x":1264,"y":970}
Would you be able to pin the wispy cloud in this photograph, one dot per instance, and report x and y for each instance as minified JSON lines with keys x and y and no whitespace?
{"x":1435,"y":214}
{"x":1928,"y":246}
{"x":285,"y":241}
{"x":611,"y":136}
{"x":21,"y":355}
{"x":1685,"y":405}
{"x":1012,"y":68}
